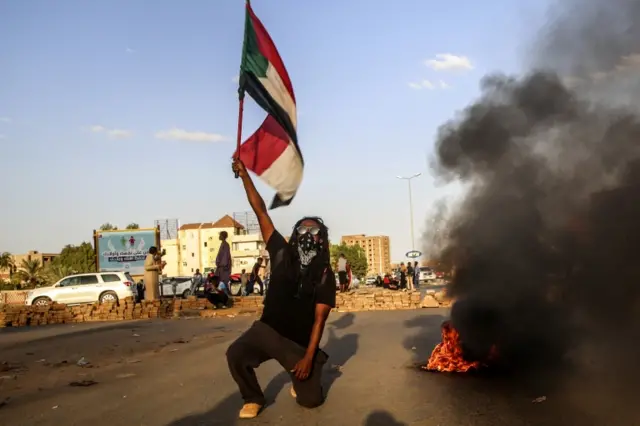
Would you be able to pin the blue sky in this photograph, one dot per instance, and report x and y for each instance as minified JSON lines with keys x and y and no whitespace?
{"x":125,"y":111}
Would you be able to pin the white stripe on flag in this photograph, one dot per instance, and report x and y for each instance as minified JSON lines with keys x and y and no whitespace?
{"x":285,"y":173}
{"x":278,"y":91}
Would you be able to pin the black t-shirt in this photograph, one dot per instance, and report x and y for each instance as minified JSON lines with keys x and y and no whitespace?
{"x":410,"y":270}
{"x":290,"y":312}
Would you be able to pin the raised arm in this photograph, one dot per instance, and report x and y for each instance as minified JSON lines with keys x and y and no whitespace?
{"x":255,"y":200}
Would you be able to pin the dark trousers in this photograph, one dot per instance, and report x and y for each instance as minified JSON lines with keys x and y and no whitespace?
{"x":261,"y":343}
{"x":216,"y":298}
{"x":139,"y":293}
{"x":251,"y":284}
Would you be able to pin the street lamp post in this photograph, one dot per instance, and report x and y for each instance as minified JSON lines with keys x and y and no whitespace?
{"x":408,"y":179}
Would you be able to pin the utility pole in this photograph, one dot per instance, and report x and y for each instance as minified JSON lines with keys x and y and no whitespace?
{"x":408,"y":179}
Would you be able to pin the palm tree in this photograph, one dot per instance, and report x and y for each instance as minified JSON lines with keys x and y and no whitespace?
{"x":57,"y":272}
{"x":6,"y":262}
{"x":31,"y":272}
{"x":133,"y":225}
{"x":108,"y":227}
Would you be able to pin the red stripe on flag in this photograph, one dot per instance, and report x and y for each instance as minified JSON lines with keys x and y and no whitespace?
{"x":264,"y":147}
{"x":268,"y":49}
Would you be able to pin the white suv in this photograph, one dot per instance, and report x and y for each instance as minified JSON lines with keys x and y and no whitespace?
{"x":85,"y":288}
{"x":427,"y":274}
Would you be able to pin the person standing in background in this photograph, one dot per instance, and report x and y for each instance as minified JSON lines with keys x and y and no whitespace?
{"x":151,"y":274}
{"x":140,"y":291}
{"x":196,"y":282}
{"x":197,"y":278}
{"x":403,"y":276}
{"x":343,"y":277}
{"x":410,"y":275}
{"x":416,"y":275}
{"x":255,"y":277}
{"x":223,"y":263}
{"x":244,"y":281}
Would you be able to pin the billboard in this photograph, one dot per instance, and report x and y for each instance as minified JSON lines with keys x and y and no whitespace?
{"x":124,"y":250}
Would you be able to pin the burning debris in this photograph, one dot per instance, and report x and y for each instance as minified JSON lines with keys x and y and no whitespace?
{"x":448,"y":356}
{"x":545,"y":241}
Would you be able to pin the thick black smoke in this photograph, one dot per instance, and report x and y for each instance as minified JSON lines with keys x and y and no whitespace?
{"x":546,"y":245}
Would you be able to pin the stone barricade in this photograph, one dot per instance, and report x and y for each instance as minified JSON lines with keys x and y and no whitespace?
{"x":353,"y":301}
{"x":127,"y":309}
{"x":385,"y":300}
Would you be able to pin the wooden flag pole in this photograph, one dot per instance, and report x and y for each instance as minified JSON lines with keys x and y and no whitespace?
{"x":240,"y":114}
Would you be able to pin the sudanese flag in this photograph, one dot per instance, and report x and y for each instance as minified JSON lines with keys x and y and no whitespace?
{"x":272,"y":152}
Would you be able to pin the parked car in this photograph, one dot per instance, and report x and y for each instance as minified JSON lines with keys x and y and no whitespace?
{"x":355,"y":282}
{"x":176,"y":286}
{"x":426,"y":274}
{"x":84,"y":288}
{"x":235,"y":285}
{"x":370,"y":280}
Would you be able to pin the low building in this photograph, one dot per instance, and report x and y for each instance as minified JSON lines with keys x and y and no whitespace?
{"x":172,"y":257}
{"x":45,"y":260}
{"x":245,"y":251}
{"x":198,"y":244}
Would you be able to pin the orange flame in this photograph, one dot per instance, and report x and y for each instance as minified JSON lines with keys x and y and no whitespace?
{"x":448,"y":357}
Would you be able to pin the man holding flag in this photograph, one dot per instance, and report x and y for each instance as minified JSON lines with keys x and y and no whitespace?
{"x":301,"y":294}
{"x":302,"y":286}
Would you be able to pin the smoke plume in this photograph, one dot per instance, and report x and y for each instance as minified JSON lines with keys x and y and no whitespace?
{"x":546,"y":242}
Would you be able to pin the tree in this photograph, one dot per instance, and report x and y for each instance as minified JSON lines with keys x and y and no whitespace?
{"x":57,"y":272}
{"x":108,"y":227}
{"x":133,"y":225}
{"x":77,"y":259}
{"x":31,"y":272}
{"x":355,"y":255}
{"x":6,"y":262}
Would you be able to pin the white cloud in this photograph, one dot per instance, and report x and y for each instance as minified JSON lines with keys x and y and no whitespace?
{"x":5,"y":119}
{"x":449,"y":62}
{"x":428,"y":85}
{"x":129,"y":50}
{"x":184,"y":135}
{"x":112,"y":133}
{"x":236,"y":79}
{"x":119,"y":133}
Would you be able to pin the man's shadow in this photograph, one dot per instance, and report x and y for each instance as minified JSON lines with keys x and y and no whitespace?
{"x":340,"y":350}
{"x":382,"y":418}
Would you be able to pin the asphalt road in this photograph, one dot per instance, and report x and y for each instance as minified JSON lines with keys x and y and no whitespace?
{"x":173,"y":372}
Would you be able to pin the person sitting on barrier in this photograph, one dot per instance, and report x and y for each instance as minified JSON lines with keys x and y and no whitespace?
{"x":215,"y":295}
